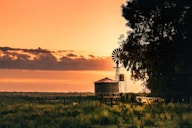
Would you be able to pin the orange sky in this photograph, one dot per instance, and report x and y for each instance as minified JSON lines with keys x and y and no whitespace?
{"x":85,"y":26}
{"x":56,"y":81}
{"x":80,"y":25}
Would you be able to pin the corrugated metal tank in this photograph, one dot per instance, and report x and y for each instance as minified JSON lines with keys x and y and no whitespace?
{"x":106,"y":87}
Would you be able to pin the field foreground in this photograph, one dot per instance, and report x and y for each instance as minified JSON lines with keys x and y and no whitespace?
{"x":47,"y":110}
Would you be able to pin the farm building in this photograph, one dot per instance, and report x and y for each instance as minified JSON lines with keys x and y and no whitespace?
{"x":106,"y":88}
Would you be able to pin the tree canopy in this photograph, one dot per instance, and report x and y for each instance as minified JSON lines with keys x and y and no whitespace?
{"x":158,"y":50}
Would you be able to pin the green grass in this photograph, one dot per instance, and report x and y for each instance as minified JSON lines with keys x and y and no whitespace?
{"x":24,"y":111}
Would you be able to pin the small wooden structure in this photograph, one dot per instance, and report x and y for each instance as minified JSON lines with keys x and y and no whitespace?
{"x":107,"y":88}
{"x":149,"y":100}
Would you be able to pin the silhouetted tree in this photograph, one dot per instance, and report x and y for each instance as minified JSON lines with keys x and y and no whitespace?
{"x":158,"y":50}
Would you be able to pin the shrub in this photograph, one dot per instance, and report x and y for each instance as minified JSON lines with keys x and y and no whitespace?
{"x":185,"y":123}
{"x":149,"y":122}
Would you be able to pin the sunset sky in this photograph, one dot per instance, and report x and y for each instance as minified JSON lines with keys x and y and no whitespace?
{"x":59,"y":35}
{"x":81,"y":25}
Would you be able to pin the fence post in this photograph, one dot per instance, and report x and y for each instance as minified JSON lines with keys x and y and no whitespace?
{"x":80,"y":98}
{"x":64,"y":101}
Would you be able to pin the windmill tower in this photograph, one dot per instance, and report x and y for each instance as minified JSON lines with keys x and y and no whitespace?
{"x":116,"y":57}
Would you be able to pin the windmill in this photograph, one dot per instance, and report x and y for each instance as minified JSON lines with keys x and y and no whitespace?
{"x":116,"y":57}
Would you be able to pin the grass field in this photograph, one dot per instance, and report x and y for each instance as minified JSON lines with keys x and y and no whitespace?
{"x":59,"y":110}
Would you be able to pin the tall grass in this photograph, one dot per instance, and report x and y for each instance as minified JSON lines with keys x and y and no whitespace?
{"x":17,"y":113}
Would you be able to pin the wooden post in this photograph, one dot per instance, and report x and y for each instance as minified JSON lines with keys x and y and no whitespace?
{"x":80,"y":98}
{"x":111,"y":101}
{"x":64,"y":101}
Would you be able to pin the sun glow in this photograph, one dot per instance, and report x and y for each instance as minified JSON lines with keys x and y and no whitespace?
{"x":56,"y":81}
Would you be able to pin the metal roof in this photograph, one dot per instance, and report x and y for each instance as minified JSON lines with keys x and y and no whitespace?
{"x":106,"y":80}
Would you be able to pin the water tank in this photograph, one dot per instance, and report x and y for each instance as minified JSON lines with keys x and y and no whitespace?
{"x":106,"y":87}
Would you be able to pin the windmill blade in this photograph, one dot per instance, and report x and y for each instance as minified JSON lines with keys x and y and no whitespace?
{"x":116,"y":55}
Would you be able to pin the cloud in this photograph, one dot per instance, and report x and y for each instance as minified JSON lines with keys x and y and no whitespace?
{"x":43,"y":59}
{"x":92,"y":56}
{"x":71,"y":55}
